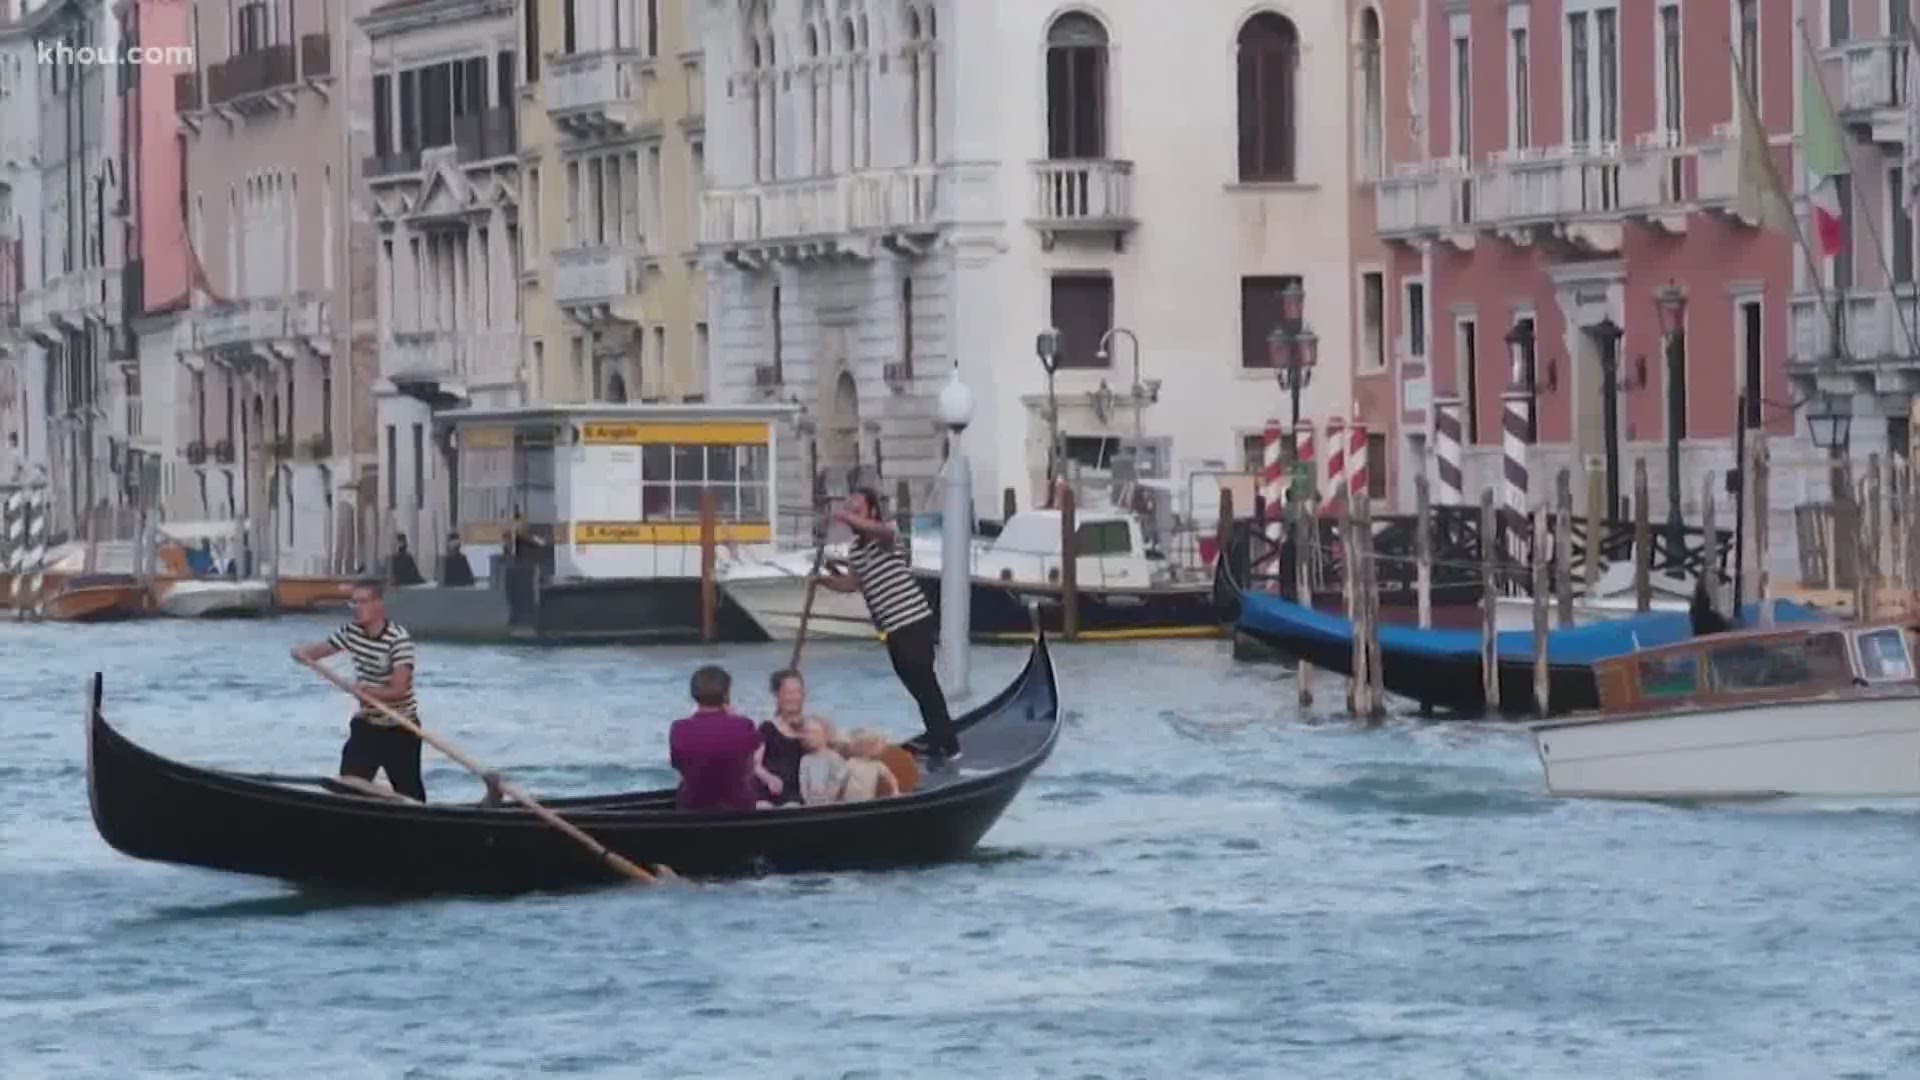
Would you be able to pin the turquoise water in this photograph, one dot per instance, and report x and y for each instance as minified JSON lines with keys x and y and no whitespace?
{"x":1198,"y":884}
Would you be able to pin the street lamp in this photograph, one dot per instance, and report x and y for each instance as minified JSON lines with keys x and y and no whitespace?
{"x":1830,"y":423}
{"x":1047,"y":347}
{"x":1608,"y":334}
{"x":1672,"y":301}
{"x":1292,"y":347}
{"x":1143,"y":393}
{"x":956,"y":536}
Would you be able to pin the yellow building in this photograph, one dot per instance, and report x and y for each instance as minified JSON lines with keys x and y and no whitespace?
{"x":612,"y":121}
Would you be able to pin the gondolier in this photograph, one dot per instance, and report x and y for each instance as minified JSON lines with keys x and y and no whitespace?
{"x":383,"y":661}
{"x":876,"y":568}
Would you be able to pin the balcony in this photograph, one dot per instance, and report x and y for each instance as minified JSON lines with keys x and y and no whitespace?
{"x":1568,"y":196}
{"x":1083,"y":198}
{"x":268,"y":328}
{"x":1659,"y":181}
{"x":400,"y":163}
{"x":186,"y":91}
{"x":69,"y":300}
{"x":246,"y":82}
{"x":589,"y":282}
{"x":1426,"y":202}
{"x":1873,"y":85}
{"x":424,"y":355}
{"x":593,"y":95}
{"x":834,"y":217}
{"x":316,"y":56}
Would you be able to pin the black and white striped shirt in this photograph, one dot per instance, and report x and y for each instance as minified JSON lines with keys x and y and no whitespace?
{"x":893,"y":597}
{"x":374,"y":658}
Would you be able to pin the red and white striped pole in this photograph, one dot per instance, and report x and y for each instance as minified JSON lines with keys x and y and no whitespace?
{"x":1273,"y":486}
{"x":1336,"y":487}
{"x":1357,"y":476}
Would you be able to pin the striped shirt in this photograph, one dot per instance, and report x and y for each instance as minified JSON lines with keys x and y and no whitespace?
{"x":375,"y":656}
{"x":893,"y":597}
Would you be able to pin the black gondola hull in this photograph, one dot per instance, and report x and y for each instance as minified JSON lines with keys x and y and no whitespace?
{"x":149,"y":807}
{"x":1004,"y":612}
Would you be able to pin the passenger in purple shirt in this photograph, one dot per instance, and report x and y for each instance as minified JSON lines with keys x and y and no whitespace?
{"x":714,"y":748}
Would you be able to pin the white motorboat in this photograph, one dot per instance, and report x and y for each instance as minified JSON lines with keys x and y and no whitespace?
{"x":213,"y":598}
{"x":773,"y":592}
{"x":1610,"y":598}
{"x":1822,"y":710}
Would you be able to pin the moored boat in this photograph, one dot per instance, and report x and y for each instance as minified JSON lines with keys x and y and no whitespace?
{"x":321,"y":832}
{"x":96,"y":598}
{"x":1821,"y":711}
{"x":312,"y":593}
{"x":212,"y":598}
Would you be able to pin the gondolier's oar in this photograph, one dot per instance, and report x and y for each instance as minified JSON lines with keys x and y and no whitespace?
{"x":511,"y":790}
{"x":806,"y":609}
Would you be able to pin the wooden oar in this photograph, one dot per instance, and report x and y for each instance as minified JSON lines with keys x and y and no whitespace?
{"x":511,"y":790}
{"x":806,"y":609}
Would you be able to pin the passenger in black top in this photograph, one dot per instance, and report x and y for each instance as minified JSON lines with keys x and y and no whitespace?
{"x":879,"y":572}
{"x":776,"y":769}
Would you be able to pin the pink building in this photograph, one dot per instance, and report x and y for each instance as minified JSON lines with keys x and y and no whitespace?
{"x":1551,"y":166}
{"x":154,"y":155}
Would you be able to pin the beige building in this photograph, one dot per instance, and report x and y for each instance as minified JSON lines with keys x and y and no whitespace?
{"x":612,"y":136}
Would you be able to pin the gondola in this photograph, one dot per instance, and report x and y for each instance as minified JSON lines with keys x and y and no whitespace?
{"x":318,"y":833}
{"x":1442,"y":668}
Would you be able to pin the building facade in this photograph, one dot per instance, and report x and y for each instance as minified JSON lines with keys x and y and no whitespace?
{"x":443,"y":184}
{"x":22,"y":412}
{"x":280,"y":344}
{"x":612,"y":152}
{"x":1552,"y":166}
{"x":902,"y":187}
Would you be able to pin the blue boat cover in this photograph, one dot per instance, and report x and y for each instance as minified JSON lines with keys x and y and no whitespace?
{"x":1274,"y":617}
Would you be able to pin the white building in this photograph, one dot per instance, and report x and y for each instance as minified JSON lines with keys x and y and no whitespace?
{"x":443,"y":183}
{"x":899,"y":184}
{"x":23,"y":430}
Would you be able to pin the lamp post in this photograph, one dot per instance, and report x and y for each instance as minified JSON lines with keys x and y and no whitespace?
{"x":1608,"y":334}
{"x":1830,"y":423}
{"x":1292,"y":347}
{"x":956,"y":537}
{"x":1047,"y":347}
{"x":1143,"y":393}
{"x":1673,"y":324}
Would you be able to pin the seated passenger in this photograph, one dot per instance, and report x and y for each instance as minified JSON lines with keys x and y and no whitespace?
{"x":822,"y":772}
{"x":777,"y":769}
{"x":867,"y":776}
{"x":714,"y":749}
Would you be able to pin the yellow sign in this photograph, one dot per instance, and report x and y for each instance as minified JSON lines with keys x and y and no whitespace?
{"x":708,"y":434}
{"x":668,"y":532}
{"x":487,"y":438}
{"x":483,"y":532}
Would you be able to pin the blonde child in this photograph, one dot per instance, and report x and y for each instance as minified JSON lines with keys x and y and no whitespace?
{"x":867,"y":776}
{"x":823,"y":772}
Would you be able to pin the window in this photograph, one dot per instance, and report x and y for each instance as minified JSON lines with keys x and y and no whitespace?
{"x":578,"y":353}
{"x":906,"y":326}
{"x":409,"y":110}
{"x":774,"y":316}
{"x":1749,"y":18}
{"x":1752,"y":351}
{"x":253,"y":29}
{"x":1839,"y":21}
{"x":1755,"y":665}
{"x":1076,"y":88}
{"x":1520,"y":90}
{"x":1373,"y":133}
{"x":672,"y":479}
{"x":569,"y":43}
{"x":1376,"y":466}
{"x":382,"y":115}
{"x":1900,"y":227}
{"x":1580,"y":91}
{"x":1090,"y":451}
{"x":1843,"y":262}
{"x":1082,"y":310}
{"x":393,"y":468}
{"x":1462,"y":96}
{"x":1467,"y":353}
{"x":1669,"y":676}
{"x":1525,"y":359}
{"x":419,"y":466}
{"x":532,"y":217}
{"x":1607,"y":20}
{"x":530,"y":48}
{"x":1373,"y":320}
{"x":1671,"y":87}
{"x":503,"y":79}
{"x":1260,"y":317}
{"x":1102,"y":538}
{"x":1883,"y":655}
{"x":653,"y":27}
{"x":1269,"y":56}
{"x":1417,"y":319}
{"x":694,"y":189}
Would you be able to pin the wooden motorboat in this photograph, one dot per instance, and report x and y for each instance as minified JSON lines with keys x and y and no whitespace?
{"x":322,"y":832}
{"x":1824,"y":711}
{"x":312,"y":593}
{"x":212,"y":598}
{"x":96,"y":598}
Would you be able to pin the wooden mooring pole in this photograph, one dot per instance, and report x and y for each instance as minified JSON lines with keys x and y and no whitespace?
{"x":1423,"y":548}
{"x":1304,"y":558}
{"x":1490,"y":594}
{"x":1642,"y":540}
{"x":1367,"y":677}
{"x":1710,"y":543}
{"x":1069,"y":567}
{"x":1541,"y":588}
{"x":1596,"y":523}
{"x":1350,"y":587}
{"x":709,"y":587}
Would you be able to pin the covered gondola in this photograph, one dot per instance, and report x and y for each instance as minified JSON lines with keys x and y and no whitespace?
{"x":318,"y":832}
{"x":1442,"y":668}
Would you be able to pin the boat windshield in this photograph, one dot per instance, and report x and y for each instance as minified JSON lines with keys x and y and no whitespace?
{"x":1883,"y":655}
{"x":1777,"y":665}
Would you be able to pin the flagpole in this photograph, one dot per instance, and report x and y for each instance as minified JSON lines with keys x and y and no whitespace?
{"x":1873,"y":231}
{"x":1780,"y":191}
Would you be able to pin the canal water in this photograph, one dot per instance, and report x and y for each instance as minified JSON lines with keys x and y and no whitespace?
{"x":1200,"y":883}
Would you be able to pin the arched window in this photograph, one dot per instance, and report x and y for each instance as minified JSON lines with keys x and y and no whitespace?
{"x":1269,"y":66}
{"x":816,"y":94}
{"x":1076,"y":87}
{"x":1372,"y":95}
{"x":761,"y":99}
{"x":855,"y":65}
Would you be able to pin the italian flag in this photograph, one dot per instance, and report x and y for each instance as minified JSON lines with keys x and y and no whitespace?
{"x":1823,"y":152}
